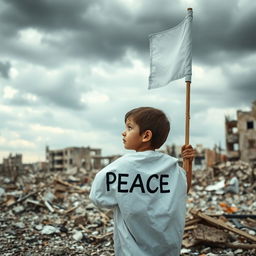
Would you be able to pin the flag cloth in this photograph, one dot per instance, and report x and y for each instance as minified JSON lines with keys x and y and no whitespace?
{"x":171,"y":54}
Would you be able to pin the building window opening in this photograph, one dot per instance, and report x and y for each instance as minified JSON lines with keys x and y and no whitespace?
{"x":251,"y":144}
{"x":249,"y":125}
{"x":236,"y":147}
{"x":198,"y":160}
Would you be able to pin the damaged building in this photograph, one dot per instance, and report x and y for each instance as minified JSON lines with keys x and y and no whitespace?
{"x":241,"y":136}
{"x":67,"y":158}
{"x":12,"y":166}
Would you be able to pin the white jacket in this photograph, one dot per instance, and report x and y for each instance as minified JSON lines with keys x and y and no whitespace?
{"x":148,"y":192}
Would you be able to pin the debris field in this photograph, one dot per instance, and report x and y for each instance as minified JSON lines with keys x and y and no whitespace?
{"x":49,"y":213}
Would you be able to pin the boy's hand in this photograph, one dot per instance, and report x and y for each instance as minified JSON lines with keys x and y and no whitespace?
{"x":187,"y":152}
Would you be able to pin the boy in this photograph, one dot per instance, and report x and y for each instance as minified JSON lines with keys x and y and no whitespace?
{"x":147,"y":189}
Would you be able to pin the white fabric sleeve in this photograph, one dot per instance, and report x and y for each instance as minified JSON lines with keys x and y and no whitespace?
{"x":101,"y":195}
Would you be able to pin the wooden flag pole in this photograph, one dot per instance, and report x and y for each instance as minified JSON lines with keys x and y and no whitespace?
{"x":187,"y":112}
{"x":187,"y":164}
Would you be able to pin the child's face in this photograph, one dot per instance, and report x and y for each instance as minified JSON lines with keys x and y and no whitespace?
{"x":131,"y":136}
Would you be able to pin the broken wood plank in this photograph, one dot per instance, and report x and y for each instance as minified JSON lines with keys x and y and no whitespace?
{"x":220,"y":223}
{"x":237,"y":246}
{"x":70,"y":210}
{"x":84,"y":229}
{"x":191,"y":222}
{"x":186,"y":235}
{"x":251,"y":222}
{"x":208,"y":234}
{"x":34,"y":202}
{"x":70,"y":185}
{"x":100,"y":237}
{"x":23,"y":198}
{"x":190,"y":227}
{"x":47,"y":204}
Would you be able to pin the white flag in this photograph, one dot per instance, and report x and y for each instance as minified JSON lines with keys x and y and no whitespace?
{"x":171,"y":54}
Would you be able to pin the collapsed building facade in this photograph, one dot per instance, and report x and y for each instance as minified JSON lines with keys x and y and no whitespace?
{"x":67,"y":158}
{"x":12,"y":166}
{"x":80,"y":157}
{"x":241,"y":136}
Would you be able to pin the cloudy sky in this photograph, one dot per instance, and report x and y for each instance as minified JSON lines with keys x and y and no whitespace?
{"x":70,"y":70}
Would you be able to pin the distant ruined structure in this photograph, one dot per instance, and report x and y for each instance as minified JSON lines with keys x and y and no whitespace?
{"x":241,"y":136}
{"x":67,"y":158}
{"x":80,"y":157}
{"x":57,"y":160}
{"x":12,"y":166}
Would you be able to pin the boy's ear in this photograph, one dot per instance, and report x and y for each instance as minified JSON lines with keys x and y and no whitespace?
{"x":147,"y":136}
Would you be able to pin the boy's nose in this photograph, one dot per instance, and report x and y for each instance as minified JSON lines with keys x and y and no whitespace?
{"x":123,"y":133}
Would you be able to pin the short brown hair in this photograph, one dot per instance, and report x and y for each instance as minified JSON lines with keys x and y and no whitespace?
{"x":155,"y":120}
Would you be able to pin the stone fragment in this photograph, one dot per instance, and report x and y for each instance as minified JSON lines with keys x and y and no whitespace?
{"x":252,"y":232}
{"x":48,"y":230}
{"x":18,"y":209}
{"x":39,"y":227}
{"x":238,"y":251}
{"x":19,"y":225}
{"x":78,"y":235}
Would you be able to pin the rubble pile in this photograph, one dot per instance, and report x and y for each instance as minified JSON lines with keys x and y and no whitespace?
{"x":49,"y":213}
{"x":220,"y":223}
{"x":242,"y":171}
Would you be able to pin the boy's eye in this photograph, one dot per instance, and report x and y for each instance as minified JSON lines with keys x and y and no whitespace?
{"x":129,"y":127}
